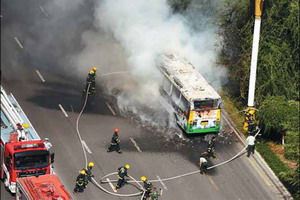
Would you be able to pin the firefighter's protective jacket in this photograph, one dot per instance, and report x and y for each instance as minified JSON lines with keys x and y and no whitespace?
{"x":122,"y":172}
{"x":115,"y":139}
{"x":211,"y":145}
{"x":148,"y":186}
{"x":90,"y":78}
{"x":81,"y":178}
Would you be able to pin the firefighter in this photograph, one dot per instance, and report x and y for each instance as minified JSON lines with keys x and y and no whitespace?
{"x":155,"y":194}
{"x":94,"y":78}
{"x":250,"y":122}
{"x":147,"y":186}
{"x":90,"y":83}
{"x":250,"y":115}
{"x":203,"y":165}
{"x":251,"y":145}
{"x":80,"y":182}
{"x":114,"y":145}
{"x":252,"y":127}
{"x":122,"y":172}
{"x":88,"y":170}
{"x":211,"y":148}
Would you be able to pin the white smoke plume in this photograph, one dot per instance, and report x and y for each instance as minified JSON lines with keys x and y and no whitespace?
{"x":119,"y":35}
{"x":129,"y":35}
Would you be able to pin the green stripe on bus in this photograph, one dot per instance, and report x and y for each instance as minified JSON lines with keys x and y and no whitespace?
{"x":201,"y":130}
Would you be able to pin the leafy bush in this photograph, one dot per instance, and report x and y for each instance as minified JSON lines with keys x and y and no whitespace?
{"x":280,"y":117}
{"x":292,"y":132}
{"x":291,"y":179}
{"x":273,"y":113}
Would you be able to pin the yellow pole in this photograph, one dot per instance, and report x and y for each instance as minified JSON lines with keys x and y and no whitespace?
{"x":258,"y":8}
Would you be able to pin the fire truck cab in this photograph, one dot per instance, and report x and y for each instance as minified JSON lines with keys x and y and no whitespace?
{"x":23,"y":153}
{"x":47,"y":187}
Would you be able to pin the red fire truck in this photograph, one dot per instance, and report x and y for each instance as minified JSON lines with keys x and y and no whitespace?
{"x":47,"y":187}
{"x":23,"y":153}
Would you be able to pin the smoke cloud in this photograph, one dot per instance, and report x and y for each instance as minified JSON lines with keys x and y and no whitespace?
{"x":140,"y":31}
{"x":122,"y":35}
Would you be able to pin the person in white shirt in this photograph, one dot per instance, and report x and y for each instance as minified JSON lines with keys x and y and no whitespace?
{"x":251,"y":145}
{"x":48,"y":144}
{"x":203,"y":165}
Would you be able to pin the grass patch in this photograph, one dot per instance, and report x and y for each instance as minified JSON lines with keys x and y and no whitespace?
{"x":271,"y":158}
{"x":234,"y":113}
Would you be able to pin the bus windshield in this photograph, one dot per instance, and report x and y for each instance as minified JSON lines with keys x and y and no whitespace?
{"x":31,"y":159}
{"x":206,"y":104}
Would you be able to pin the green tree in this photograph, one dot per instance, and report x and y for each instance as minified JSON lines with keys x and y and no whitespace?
{"x":291,"y":125}
{"x":278,"y":59}
{"x":291,"y":179}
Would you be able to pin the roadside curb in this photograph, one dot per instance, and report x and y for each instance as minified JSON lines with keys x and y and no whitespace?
{"x":281,"y":189}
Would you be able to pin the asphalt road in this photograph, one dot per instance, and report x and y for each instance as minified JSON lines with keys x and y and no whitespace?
{"x":150,"y":152}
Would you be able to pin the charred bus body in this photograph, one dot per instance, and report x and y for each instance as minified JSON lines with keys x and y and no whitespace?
{"x":196,"y":104}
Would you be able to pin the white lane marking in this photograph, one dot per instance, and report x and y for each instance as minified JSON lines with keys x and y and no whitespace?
{"x":63,"y":110}
{"x":40,"y":75}
{"x":19,"y":43}
{"x":110,"y":108}
{"x":86,"y":147}
{"x":162,"y":183}
{"x":111,"y":185}
{"x":43,"y":11}
{"x":136,"y":145}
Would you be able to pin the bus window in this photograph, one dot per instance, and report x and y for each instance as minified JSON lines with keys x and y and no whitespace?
{"x":183,"y":104}
{"x":175,"y":95}
{"x":206,"y":104}
{"x":167,"y":85}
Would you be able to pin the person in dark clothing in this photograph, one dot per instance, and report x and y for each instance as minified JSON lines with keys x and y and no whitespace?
{"x":250,"y":121}
{"x":252,"y":127}
{"x":122,"y":172}
{"x":147,"y":186}
{"x":155,"y":194}
{"x":211,"y":148}
{"x":114,"y":145}
{"x":90,"y":84}
{"x":93,"y":79}
{"x":88,"y":171}
{"x":80,"y":182}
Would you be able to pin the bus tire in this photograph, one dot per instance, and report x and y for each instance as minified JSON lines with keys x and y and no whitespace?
{"x":5,"y":180}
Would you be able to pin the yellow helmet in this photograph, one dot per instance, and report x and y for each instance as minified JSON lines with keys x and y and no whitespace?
{"x":251,"y":112}
{"x":92,"y":72}
{"x":127,"y":166}
{"x":25,"y":125}
{"x":94,"y":69}
{"x":91,"y":164}
{"x":143,"y":178}
{"x":82,"y":172}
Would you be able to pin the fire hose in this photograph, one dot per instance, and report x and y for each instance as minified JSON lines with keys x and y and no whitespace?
{"x":142,"y":192}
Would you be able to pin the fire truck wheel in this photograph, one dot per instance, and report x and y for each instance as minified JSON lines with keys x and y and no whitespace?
{"x":4,"y":181}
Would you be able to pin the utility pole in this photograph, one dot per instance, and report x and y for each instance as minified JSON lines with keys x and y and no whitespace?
{"x":250,"y":111}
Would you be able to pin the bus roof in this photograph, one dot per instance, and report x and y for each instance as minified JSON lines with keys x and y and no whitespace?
{"x":186,"y":78}
{"x":43,"y":187}
{"x":7,"y":128}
